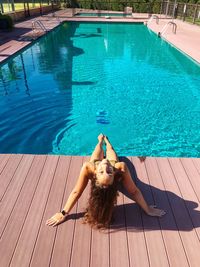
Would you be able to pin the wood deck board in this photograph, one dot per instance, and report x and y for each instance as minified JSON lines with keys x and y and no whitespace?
{"x":35,"y":187}
{"x":8,"y":173}
{"x":40,"y":256}
{"x":82,"y":235}
{"x":184,"y":221}
{"x":24,"y":249}
{"x":173,"y":224}
{"x":118,"y":237}
{"x":18,"y":214}
{"x":138,"y":255}
{"x":172,"y":240}
{"x":152,"y":228}
{"x":14,"y":190}
{"x":3,"y":161}
{"x":65,"y":235}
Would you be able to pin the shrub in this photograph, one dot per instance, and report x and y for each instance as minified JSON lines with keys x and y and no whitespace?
{"x":6,"y":22}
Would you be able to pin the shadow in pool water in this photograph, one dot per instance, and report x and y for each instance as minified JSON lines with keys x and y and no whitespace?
{"x":87,"y":35}
{"x":31,"y":89}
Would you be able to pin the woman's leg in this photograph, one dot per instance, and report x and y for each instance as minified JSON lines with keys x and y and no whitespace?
{"x":110,"y":152}
{"x":98,"y":153}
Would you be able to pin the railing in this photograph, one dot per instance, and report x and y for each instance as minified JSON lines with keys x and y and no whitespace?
{"x":164,"y":29}
{"x":151,"y":19}
{"x":184,"y":11}
{"x":36,"y":23}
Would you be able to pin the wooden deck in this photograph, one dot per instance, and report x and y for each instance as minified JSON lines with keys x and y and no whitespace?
{"x":32,"y":188}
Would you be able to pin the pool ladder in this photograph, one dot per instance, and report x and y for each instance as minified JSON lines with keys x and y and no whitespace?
{"x":151,"y":19}
{"x":164,"y":29}
{"x":38,"y":23}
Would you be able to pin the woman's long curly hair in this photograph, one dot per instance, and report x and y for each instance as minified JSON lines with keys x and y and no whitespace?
{"x":101,"y":204}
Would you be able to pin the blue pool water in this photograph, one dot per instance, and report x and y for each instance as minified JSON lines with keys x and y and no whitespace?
{"x":86,"y":78}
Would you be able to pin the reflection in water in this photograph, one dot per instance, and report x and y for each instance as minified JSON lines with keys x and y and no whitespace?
{"x":3,"y":83}
{"x":86,"y":78}
{"x":24,"y":73}
{"x":43,"y":70}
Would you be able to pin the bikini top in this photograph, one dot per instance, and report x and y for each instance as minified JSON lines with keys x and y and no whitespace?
{"x":96,"y":162}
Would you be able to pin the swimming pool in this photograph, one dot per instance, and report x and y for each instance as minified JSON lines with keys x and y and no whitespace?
{"x":86,"y":78}
{"x":102,"y":14}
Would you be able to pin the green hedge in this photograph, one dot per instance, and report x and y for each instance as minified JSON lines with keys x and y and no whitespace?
{"x":117,"y":5}
{"x":6,"y":22}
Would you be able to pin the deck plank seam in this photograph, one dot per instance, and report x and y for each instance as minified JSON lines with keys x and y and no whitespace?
{"x":194,"y":227}
{"x":146,"y":243}
{"x":190,"y":181}
{"x":42,"y":217}
{"x":62,"y":201}
{"x":186,"y":210}
{"x":109,"y":247}
{"x":145,"y":238}
{"x":85,"y":159}
{"x":90,"y":257}
{"x":172,"y":211}
{"x":195,"y":166}
{"x":26,"y":216}
{"x":67,"y":177}
{"x":74,"y":227}
{"x":161,"y":231}
{"x":16,"y":200}
{"x":12,"y":177}
{"x":128,"y":248}
{"x":5,"y":166}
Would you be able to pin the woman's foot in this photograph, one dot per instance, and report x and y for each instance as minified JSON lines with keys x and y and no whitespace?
{"x":101,"y":138}
{"x":106,"y":140}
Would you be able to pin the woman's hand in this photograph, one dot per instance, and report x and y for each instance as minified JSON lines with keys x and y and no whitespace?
{"x":153,"y":211}
{"x":56,"y":219}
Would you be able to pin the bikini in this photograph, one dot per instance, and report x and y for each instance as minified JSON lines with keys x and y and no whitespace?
{"x":96,"y":162}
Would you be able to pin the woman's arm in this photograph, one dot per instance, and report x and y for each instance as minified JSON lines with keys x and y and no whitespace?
{"x":135,"y":192}
{"x":73,"y":197}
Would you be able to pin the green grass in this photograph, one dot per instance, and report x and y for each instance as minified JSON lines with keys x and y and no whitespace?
{"x":20,"y":6}
{"x":189,"y":19}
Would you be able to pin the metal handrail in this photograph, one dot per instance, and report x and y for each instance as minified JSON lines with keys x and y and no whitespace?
{"x":40,"y":24}
{"x":164,"y":29}
{"x":151,"y":19}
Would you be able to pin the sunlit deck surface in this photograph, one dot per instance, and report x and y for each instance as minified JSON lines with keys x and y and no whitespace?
{"x":34,"y":187}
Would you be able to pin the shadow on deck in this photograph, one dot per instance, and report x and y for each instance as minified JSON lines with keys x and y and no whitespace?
{"x":33,"y":188}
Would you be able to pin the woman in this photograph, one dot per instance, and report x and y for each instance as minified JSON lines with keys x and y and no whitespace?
{"x":105,"y":174}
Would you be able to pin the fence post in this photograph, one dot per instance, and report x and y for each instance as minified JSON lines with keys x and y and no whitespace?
{"x":13,"y":5}
{"x":184,"y":11}
{"x":195,"y":13}
{"x":2,"y":10}
{"x":167,"y":9}
{"x":162,"y":7}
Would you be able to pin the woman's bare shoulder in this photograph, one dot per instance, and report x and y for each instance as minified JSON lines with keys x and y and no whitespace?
{"x":89,"y":167}
{"x":120,"y":165}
